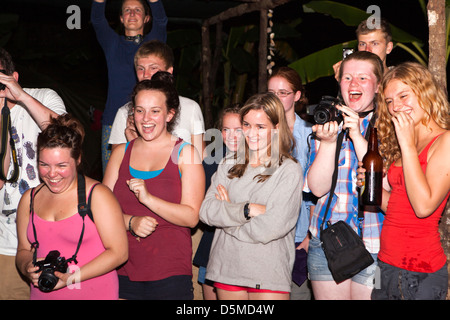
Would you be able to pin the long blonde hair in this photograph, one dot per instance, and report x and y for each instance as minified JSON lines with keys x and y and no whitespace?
{"x":431,"y":98}
{"x":284,"y":141}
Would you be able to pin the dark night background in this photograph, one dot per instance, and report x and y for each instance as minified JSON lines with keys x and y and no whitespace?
{"x":71,"y":62}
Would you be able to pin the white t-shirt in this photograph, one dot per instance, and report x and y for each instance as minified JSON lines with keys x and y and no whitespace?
{"x":190,"y":122}
{"x":24,"y":131}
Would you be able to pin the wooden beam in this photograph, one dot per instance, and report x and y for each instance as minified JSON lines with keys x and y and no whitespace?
{"x":243,"y":9}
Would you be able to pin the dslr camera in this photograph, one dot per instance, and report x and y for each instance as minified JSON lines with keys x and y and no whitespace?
{"x":325,"y":111}
{"x":53,"y":262}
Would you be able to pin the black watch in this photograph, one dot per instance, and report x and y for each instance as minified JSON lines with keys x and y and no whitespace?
{"x":247,"y":211}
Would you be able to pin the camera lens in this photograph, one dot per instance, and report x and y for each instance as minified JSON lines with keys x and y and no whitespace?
{"x":47,"y":281}
{"x":322,"y":116}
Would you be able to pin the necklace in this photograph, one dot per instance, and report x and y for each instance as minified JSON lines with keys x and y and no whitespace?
{"x":136,"y":39}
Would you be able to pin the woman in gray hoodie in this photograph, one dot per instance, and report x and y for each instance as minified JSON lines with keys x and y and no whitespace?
{"x":254,"y":201}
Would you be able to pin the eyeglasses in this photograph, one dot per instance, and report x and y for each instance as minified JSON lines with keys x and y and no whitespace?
{"x":282,"y":93}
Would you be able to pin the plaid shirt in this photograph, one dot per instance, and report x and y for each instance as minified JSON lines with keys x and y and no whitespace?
{"x":344,"y":204}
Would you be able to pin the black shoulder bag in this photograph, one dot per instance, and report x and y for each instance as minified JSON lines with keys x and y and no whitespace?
{"x":344,"y":249}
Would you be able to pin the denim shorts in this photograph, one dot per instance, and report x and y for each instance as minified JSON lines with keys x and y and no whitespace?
{"x":318,"y":266}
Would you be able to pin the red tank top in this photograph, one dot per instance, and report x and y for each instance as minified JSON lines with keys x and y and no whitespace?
{"x":409,"y":242}
{"x":168,"y":250}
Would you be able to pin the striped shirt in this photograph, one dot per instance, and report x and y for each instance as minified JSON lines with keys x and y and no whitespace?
{"x":344,"y":204}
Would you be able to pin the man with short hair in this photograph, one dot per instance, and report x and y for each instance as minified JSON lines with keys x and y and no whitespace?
{"x":154,"y":56}
{"x":373,"y":38}
{"x":119,"y":52}
{"x":30,"y":110}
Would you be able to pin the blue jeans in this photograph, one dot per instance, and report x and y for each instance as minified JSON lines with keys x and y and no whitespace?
{"x":318,"y":266}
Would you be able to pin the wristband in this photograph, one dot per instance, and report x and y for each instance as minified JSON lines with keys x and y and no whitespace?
{"x":247,"y":211}
{"x":130,"y":229}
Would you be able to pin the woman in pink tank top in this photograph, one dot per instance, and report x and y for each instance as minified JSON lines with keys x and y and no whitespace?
{"x":50,"y":223}
{"x":413,"y":125}
{"x":159,"y":182}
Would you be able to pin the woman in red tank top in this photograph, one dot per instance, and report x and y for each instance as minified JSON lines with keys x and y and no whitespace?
{"x":413,"y":125}
{"x":159,"y":182}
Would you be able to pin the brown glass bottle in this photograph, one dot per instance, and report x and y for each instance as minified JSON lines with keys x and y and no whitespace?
{"x":373,"y":163}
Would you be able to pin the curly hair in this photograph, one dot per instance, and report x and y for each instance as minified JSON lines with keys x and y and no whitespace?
{"x":431,"y":98}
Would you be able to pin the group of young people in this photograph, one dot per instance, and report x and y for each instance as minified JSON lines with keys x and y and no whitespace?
{"x":264,"y":201}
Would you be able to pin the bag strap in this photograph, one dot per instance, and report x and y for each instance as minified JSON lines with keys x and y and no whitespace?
{"x":83,"y":210}
{"x":340,"y":138}
{"x":335,"y":173}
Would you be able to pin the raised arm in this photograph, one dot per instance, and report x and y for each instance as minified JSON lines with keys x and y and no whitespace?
{"x":320,"y":173}
{"x":40,"y":111}
{"x":426,"y":191}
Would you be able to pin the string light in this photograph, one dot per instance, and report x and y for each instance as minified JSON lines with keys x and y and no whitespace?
{"x":271,"y":34}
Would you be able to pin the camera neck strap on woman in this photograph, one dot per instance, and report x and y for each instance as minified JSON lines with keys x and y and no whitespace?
{"x":83,"y":210}
{"x":6,"y":129}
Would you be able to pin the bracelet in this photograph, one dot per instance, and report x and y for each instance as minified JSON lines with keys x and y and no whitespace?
{"x":130,"y":229}
{"x":247,"y":211}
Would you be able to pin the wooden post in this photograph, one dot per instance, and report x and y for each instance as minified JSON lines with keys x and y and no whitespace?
{"x":437,"y":41}
{"x":437,"y":66}
{"x":206,"y":68}
{"x":262,"y":50}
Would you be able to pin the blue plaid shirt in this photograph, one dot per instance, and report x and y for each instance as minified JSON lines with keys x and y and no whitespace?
{"x":344,"y":204}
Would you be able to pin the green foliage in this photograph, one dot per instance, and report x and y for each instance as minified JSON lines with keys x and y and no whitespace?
{"x":320,"y":64}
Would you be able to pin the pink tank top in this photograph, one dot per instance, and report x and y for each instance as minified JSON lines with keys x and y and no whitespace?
{"x":168,"y":250}
{"x":409,"y":242}
{"x":63,"y":236}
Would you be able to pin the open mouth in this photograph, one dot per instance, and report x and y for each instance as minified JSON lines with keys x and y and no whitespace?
{"x":354,"y":95}
{"x":53,"y":182}
{"x":148,"y":127}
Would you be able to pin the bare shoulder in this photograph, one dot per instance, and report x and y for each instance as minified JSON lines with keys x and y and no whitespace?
{"x":95,"y":185}
{"x":189,"y":155}
{"x":440,"y":146}
{"x":442,"y":141}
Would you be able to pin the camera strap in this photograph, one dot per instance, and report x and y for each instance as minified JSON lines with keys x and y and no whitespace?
{"x":6,"y":129}
{"x":83,"y":210}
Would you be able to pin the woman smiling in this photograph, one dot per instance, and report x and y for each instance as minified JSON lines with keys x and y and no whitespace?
{"x":254,"y":201}
{"x":159,"y":182}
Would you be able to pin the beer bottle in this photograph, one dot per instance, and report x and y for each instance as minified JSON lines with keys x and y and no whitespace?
{"x":373,"y":163}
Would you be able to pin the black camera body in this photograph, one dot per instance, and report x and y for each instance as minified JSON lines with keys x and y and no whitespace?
{"x":53,"y":262}
{"x":325,"y":111}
